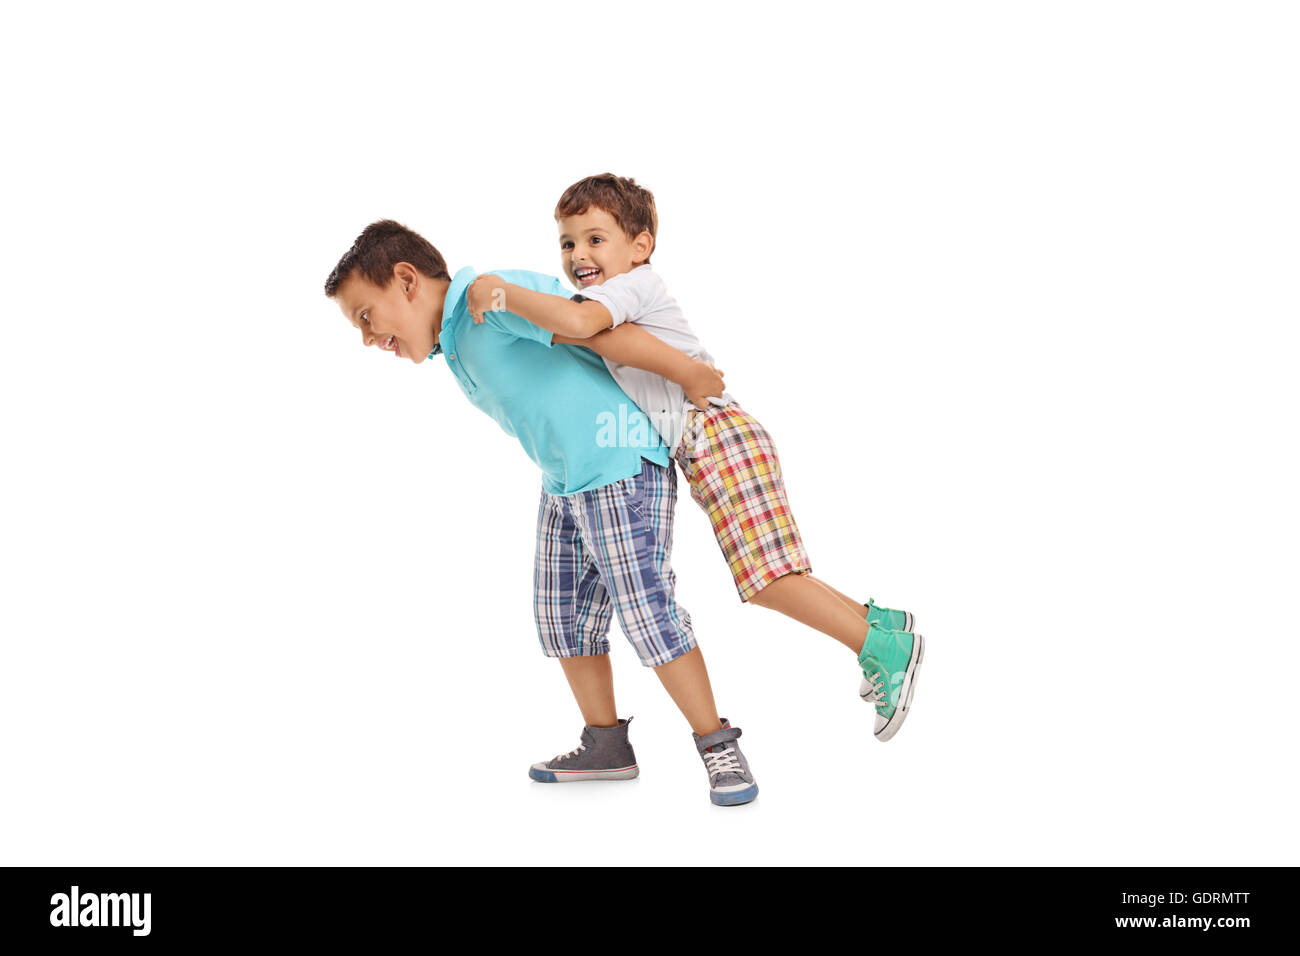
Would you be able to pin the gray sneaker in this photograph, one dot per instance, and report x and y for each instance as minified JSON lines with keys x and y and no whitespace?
{"x":604,"y":754}
{"x":730,"y":782}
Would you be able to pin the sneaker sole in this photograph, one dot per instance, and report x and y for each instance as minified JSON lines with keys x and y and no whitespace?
{"x":542,"y":775}
{"x":905,"y":692}
{"x":733,"y":798}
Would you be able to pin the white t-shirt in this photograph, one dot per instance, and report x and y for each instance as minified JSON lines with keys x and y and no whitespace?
{"x":640,"y":296}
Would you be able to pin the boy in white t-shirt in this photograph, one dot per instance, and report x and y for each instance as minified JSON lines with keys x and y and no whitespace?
{"x":624,"y":313}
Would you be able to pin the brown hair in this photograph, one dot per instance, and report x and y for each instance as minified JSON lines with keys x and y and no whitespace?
{"x":632,"y":206}
{"x":380,"y":247}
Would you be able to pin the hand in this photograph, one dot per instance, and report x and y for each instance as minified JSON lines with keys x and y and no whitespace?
{"x":487,"y":293}
{"x":704,"y":380}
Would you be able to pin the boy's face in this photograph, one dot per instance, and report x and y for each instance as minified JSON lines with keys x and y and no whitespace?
{"x":389,"y":318}
{"x":593,"y":248}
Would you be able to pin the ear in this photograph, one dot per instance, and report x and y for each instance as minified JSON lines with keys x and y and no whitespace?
{"x":642,"y":246}
{"x":407,"y":278}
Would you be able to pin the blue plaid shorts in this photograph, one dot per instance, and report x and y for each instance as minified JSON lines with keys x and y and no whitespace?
{"x":607,"y":550}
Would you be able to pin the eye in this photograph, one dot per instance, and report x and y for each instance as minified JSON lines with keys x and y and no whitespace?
{"x":365,"y":317}
{"x":566,"y":244}
{"x":596,"y":239}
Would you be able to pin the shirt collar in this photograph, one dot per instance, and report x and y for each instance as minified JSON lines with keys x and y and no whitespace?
{"x":455,"y":295}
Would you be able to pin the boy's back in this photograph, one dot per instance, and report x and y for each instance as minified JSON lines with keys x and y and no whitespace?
{"x":551,"y":399}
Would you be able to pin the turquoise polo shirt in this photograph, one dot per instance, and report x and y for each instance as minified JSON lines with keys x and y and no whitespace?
{"x":561,"y":403}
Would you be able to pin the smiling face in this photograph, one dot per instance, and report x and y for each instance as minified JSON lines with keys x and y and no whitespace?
{"x":395,"y":318}
{"x":593,"y":248}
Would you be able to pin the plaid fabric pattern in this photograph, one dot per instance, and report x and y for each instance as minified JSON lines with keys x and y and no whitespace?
{"x":735,"y":476}
{"x":606,"y":550}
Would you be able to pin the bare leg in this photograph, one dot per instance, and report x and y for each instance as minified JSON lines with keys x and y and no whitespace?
{"x":687,"y":683}
{"x":859,"y":609}
{"x":592,"y":681}
{"x":811,"y":602}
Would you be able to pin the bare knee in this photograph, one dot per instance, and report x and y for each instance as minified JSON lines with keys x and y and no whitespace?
{"x":773,"y":590}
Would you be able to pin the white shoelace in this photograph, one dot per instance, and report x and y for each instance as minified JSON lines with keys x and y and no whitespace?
{"x":877,"y":695}
{"x":572,"y":753}
{"x":723,"y":761}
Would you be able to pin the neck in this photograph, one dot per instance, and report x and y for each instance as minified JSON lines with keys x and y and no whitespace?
{"x":438,"y":298}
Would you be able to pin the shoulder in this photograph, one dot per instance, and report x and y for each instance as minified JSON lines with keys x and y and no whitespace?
{"x":641,"y":285}
{"x":643,"y":277}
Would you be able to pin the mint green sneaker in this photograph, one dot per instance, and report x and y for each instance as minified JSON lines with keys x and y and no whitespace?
{"x":887,"y":617}
{"x":890,"y":660}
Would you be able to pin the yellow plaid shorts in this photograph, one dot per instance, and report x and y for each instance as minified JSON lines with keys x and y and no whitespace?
{"x":730,"y":462}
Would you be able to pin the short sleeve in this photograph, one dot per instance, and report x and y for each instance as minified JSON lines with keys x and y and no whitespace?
{"x":624,"y":295}
{"x":517,"y":325}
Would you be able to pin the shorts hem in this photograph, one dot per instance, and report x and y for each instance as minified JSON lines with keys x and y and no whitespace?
{"x":667,"y":657}
{"x":770,"y":574}
{"x":595,"y":651}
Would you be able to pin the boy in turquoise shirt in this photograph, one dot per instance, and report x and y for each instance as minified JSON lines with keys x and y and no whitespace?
{"x":604,"y":531}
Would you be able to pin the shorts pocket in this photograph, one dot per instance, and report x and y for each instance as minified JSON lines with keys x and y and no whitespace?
{"x":632,"y":492}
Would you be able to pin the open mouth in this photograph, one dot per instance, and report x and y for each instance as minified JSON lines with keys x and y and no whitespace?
{"x":390,"y":345}
{"x":586,"y":275}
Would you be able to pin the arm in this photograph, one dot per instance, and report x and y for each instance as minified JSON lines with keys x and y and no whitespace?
{"x":575,"y":320}
{"x":629,"y":344}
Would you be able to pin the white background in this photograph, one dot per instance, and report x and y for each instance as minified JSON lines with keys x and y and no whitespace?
{"x":1013,"y":285}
